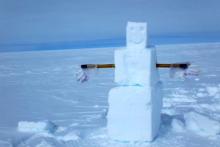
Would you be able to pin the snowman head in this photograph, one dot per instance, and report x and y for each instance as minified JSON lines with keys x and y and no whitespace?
{"x":136,"y":36}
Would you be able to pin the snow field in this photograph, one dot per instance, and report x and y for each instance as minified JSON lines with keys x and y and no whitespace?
{"x":79,"y":109}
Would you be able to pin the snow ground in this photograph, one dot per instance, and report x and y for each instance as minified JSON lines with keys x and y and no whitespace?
{"x":40,"y":86}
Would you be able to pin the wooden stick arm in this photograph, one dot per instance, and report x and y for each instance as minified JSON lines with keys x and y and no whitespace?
{"x":173,"y":65}
{"x":159,"y":65}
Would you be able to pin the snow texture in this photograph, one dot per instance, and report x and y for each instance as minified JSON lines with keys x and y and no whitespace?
{"x":38,"y":86}
{"x":213,"y":91}
{"x":36,"y":127}
{"x":201,"y":124}
{"x":177,"y":125}
{"x":72,"y":136}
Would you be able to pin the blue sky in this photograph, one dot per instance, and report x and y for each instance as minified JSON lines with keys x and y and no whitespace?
{"x":68,"y":22}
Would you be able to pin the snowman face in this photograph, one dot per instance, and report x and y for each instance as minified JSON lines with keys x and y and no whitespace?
{"x":136,"y":35}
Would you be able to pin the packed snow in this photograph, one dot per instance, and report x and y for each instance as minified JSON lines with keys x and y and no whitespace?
{"x":201,"y":125}
{"x":36,"y":127}
{"x":177,"y":125}
{"x":40,"y":86}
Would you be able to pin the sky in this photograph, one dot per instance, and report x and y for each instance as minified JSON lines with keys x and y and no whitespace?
{"x":63,"y":23}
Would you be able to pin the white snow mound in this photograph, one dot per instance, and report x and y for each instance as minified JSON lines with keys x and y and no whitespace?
{"x":201,"y":125}
{"x":36,"y":127}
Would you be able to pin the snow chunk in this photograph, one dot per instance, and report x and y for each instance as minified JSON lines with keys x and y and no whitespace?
{"x":177,"y":125}
{"x":201,"y":125}
{"x":61,"y":129}
{"x":212,"y":91}
{"x":36,"y":127}
{"x":72,"y":136}
{"x":201,"y":94}
{"x":44,"y":144}
{"x":74,"y":124}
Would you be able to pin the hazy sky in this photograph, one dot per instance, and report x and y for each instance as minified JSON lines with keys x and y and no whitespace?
{"x":48,"y":21}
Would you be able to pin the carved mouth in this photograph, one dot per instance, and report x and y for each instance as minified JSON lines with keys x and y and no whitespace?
{"x":137,"y":40}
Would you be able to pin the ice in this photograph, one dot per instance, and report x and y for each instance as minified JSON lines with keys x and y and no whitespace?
{"x":201,"y":125}
{"x":136,"y":35}
{"x":36,"y":127}
{"x":136,"y":68}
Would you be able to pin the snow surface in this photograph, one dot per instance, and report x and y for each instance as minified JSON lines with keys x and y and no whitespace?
{"x":41,"y":86}
{"x":201,"y":125}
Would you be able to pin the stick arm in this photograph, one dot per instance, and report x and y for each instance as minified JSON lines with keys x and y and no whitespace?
{"x":158,"y":65}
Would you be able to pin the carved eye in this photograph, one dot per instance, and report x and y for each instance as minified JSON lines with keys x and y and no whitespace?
{"x":132,"y":28}
{"x":141,"y":28}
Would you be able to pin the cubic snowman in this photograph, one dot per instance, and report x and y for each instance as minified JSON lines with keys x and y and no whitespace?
{"x":135,"y":104}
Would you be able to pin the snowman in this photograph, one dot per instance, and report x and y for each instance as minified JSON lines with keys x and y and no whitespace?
{"x":135,"y":104}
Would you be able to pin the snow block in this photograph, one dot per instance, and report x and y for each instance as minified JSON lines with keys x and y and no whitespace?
{"x":136,"y":37}
{"x":134,"y":112}
{"x":36,"y":127}
{"x":201,"y":125}
{"x":136,"y":67}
